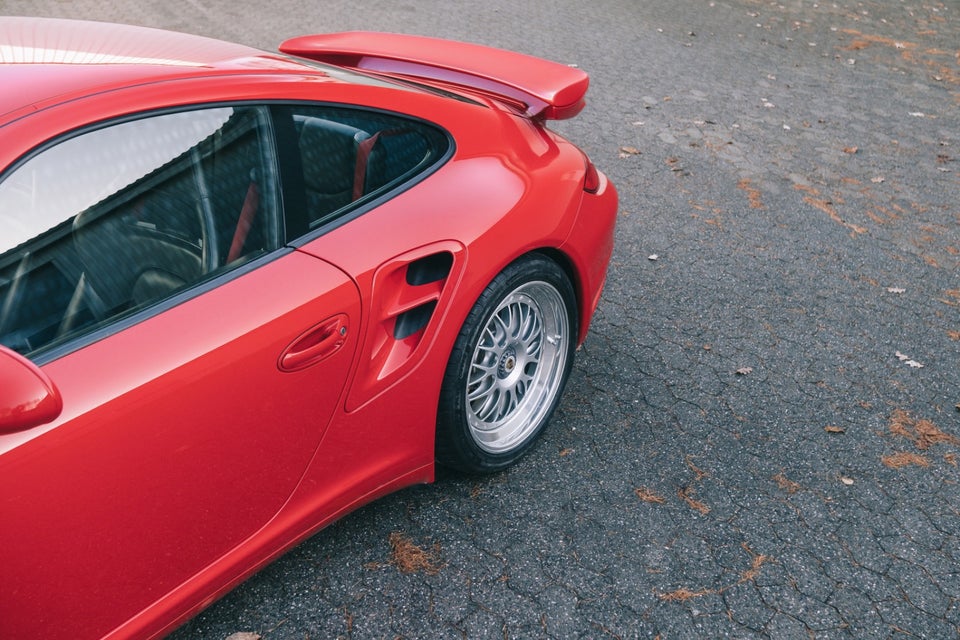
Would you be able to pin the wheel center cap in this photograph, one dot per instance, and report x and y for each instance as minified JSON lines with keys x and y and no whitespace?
{"x":508,"y":362}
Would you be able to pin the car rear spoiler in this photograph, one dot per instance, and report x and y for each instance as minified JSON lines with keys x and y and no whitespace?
{"x":544,"y":89}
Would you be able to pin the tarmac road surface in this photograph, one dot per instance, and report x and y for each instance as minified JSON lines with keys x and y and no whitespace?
{"x":761,"y":435}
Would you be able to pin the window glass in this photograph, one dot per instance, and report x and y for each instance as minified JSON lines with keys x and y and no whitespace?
{"x":349,"y":156}
{"x":114,"y":220}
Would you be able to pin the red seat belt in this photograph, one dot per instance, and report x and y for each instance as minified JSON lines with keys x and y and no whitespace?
{"x":247,"y":213}
{"x":360,"y":170}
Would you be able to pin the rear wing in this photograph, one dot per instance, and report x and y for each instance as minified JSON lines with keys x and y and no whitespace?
{"x":544,"y":89}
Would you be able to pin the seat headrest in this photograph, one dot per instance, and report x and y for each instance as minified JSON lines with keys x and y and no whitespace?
{"x":328,"y":151}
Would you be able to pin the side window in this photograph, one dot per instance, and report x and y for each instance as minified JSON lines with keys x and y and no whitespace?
{"x":349,"y":156}
{"x":116,"y":219}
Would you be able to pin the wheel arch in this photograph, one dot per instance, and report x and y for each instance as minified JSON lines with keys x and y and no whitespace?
{"x":569,"y":268}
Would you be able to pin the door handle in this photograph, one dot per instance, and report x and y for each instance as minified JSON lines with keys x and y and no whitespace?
{"x":315,"y":344}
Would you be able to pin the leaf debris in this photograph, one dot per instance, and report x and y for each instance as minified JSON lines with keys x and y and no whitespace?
{"x":757,"y":560}
{"x":407,"y":557}
{"x":922,"y":433}
{"x":908,"y":360}
{"x":903,"y":459}
{"x":648,"y":495}
{"x":786,"y":484}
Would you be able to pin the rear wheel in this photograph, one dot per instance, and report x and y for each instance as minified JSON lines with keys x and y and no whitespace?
{"x":508,"y":367}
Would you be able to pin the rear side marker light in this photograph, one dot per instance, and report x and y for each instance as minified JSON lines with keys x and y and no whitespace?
{"x":591,"y":181}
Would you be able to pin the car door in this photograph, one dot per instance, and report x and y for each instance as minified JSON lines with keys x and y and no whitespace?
{"x":199,"y":362}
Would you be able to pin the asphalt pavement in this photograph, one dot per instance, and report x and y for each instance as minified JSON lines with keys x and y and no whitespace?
{"x":761,"y":436}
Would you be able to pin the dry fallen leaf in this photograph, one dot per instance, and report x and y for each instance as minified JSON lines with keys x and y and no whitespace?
{"x":895,"y":290}
{"x":786,"y":484}
{"x":878,"y":180}
{"x":649,"y":496}
{"x":845,"y":480}
{"x":851,"y":150}
{"x":630,"y":151}
{"x":907,"y":360}
{"x":903,"y":459}
{"x":743,"y":371}
{"x":410,"y":558}
{"x":244,"y":635}
{"x":832,"y":429}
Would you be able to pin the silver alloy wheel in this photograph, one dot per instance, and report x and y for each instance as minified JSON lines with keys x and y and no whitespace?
{"x":517,"y":367}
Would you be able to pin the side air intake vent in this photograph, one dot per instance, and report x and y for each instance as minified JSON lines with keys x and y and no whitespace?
{"x":429,"y":269}
{"x":414,"y":320}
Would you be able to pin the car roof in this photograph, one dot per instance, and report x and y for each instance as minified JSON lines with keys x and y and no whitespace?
{"x":53,"y":60}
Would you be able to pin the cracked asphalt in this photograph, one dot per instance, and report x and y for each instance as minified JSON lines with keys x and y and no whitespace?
{"x":761,"y":435}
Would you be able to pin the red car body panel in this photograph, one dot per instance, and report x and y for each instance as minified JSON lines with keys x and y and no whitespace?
{"x":197,"y":444}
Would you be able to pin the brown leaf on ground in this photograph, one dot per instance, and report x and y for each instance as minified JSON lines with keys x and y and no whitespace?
{"x":753,"y":194}
{"x":851,"y":150}
{"x":630,"y":151}
{"x":904,"y":459}
{"x":928,"y":435}
{"x":786,"y":484}
{"x":675,"y":166}
{"x":683,"y":594}
{"x":648,"y":495}
{"x":244,"y":635}
{"x":950,"y":458}
{"x":407,"y":557}
{"x":826,"y":206}
{"x":744,"y":371}
{"x":923,"y":433}
{"x":686,"y":494}
{"x":951,"y":297}
{"x":757,"y":561}
{"x":953,"y":335}
{"x":857,"y":45}
{"x":832,"y":429}
{"x":700,"y":473}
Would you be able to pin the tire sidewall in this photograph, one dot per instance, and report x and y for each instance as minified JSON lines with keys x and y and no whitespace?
{"x":455,"y":444}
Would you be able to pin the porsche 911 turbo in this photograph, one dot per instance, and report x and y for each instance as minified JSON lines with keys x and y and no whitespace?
{"x":244,"y":293}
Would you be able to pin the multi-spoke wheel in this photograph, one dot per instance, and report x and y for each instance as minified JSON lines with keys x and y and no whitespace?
{"x":508,"y":367}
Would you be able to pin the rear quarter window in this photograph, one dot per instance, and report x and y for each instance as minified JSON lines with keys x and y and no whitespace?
{"x":345,"y":157}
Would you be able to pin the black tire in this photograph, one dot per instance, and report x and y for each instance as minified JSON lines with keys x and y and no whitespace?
{"x":508,"y":367}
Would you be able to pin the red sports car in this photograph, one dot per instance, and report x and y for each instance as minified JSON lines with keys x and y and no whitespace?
{"x":243,"y":293}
